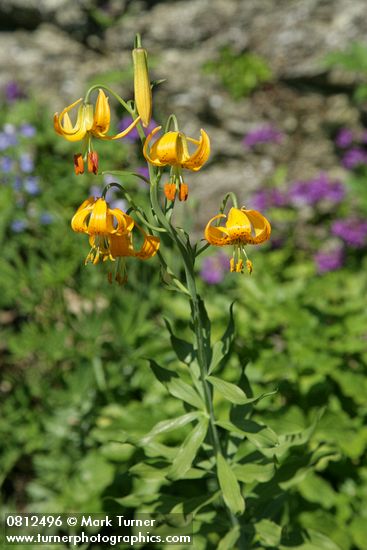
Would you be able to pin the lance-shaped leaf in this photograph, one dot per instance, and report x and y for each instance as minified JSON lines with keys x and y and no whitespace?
{"x":230,"y":539}
{"x":169,"y":425}
{"x":230,"y":487}
{"x":230,"y":391}
{"x":176,"y":387}
{"x":222,"y":347}
{"x":184,"y":350}
{"x":188,"y":450}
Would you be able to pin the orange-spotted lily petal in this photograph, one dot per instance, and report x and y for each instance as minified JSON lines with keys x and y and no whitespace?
{"x":172,"y":149}
{"x":122,"y":245}
{"x":94,"y":217}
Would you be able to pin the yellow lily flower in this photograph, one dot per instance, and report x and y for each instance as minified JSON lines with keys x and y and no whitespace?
{"x":89,"y":121}
{"x":94,"y":217}
{"x":119,"y":246}
{"x":241,"y":228}
{"x":172,"y":149}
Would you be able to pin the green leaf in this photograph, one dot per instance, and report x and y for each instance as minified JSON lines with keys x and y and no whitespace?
{"x":194,"y":504}
{"x":314,"y":541}
{"x":230,"y":391}
{"x":222,"y":348}
{"x":184,"y":350}
{"x":230,"y":539}
{"x":188,"y":450}
{"x":178,"y":388}
{"x":269,"y":533}
{"x":230,"y":486}
{"x":169,"y":425}
{"x":250,"y":472}
{"x":161,"y":373}
{"x":358,"y":529}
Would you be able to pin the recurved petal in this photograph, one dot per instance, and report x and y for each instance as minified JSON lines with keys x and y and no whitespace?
{"x":121,"y":134}
{"x":102,"y":115}
{"x":149,"y":248}
{"x":217,"y":236}
{"x":201,"y":155}
{"x":260,"y":227}
{"x":125,"y":223}
{"x":82,"y":125}
{"x":147,"y":151}
{"x":79,"y":220}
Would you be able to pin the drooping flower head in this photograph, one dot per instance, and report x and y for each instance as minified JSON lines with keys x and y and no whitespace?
{"x":172,"y":149}
{"x":96,"y":219}
{"x":90,"y":122}
{"x":110,"y":233}
{"x":242,"y":227}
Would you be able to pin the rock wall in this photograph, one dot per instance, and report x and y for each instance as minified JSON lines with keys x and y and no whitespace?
{"x":54,"y":47}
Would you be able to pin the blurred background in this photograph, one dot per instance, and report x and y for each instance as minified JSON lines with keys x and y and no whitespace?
{"x":281,"y":88}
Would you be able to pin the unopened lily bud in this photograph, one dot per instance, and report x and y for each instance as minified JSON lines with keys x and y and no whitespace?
{"x":142,"y":88}
{"x":183,"y":192}
{"x":170,"y":191}
{"x":93,"y":162}
{"x":78,"y":164}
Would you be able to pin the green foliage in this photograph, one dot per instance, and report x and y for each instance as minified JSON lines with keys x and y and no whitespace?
{"x":353,"y":59}
{"x":91,"y":424}
{"x":240,"y":74}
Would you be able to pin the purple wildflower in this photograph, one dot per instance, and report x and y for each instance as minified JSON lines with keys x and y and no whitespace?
{"x":27,"y":130}
{"x":262,"y":134}
{"x":352,"y":231}
{"x":46,"y":218}
{"x":13,"y":92}
{"x":344,"y":138}
{"x":18,"y":226}
{"x":95,"y":191}
{"x":354,"y":157}
{"x":214,"y":268}
{"x":315,"y":190}
{"x":17,"y":183}
{"x":119,"y":203}
{"x":143,"y":171}
{"x":8,"y":137}
{"x":6,"y":164}
{"x":31,"y":185}
{"x":329,"y":261}
{"x":134,"y":134}
{"x":267,"y":198}
{"x":26,"y":163}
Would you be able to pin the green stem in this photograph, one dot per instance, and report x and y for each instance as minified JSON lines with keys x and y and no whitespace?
{"x":115,"y":95}
{"x":188,"y":261}
{"x":198,"y":321}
